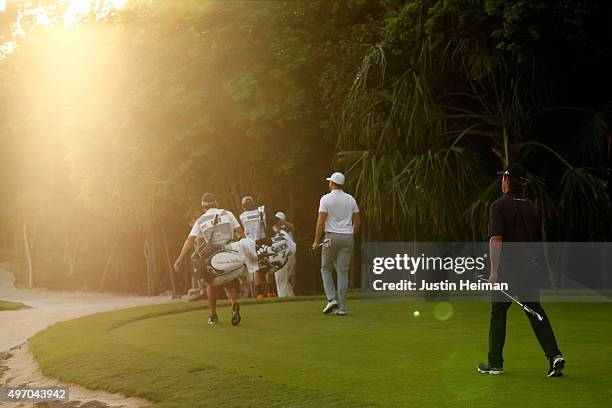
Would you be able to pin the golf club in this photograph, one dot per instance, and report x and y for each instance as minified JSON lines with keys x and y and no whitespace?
{"x":525,"y":307}
{"x":326,"y":243}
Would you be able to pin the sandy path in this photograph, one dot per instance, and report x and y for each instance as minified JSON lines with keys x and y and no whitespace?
{"x":18,"y":367}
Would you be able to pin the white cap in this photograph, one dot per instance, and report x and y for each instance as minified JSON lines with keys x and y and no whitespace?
{"x":280,"y":215}
{"x":337,"y":178}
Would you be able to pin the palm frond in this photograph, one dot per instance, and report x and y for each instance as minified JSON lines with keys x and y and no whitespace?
{"x":580,"y":195}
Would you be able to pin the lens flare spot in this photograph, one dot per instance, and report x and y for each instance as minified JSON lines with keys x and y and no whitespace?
{"x":443,"y":311}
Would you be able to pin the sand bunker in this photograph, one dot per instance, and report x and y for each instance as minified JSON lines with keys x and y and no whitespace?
{"x":44,"y":308}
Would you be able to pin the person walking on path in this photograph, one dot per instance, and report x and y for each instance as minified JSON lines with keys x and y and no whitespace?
{"x":256,"y":227}
{"x":339,"y":219}
{"x":285,"y":276}
{"x":215,"y":227}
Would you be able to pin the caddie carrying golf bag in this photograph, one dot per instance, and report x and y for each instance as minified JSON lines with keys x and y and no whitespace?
{"x":274,"y":253}
{"x":218,"y":264}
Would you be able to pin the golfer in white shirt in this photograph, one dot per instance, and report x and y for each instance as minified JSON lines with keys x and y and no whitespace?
{"x":339,"y":219}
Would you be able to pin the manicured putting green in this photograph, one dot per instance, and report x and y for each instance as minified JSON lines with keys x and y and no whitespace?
{"x":289,"y":354}
{"x":6,"y":305}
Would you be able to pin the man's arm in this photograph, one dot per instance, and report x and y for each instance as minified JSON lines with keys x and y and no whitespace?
{"x":186,"y":247}
{"x":356,"y":222}
{"x":495,"y":248}
{"x":238,"y":229}
{"x":319,"y":229}
{"x":495,"y":232}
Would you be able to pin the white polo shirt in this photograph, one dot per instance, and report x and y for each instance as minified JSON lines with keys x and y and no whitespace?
{"x":223,"y":230}
{"x":340,"y":208}
{"x":254,"y":222}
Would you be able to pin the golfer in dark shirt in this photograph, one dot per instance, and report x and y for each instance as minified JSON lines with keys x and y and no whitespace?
{"x":514,"y":220}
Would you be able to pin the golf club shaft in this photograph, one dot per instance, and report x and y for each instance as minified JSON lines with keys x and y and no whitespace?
{"x":525,"y":308}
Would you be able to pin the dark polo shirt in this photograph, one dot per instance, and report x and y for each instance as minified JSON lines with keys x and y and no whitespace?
{"x":516,"y":219}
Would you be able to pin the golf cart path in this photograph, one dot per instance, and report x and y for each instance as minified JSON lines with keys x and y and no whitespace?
{"x":44,"y":308}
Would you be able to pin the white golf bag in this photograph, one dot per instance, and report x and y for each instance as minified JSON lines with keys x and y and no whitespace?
{"x":218,"y":264}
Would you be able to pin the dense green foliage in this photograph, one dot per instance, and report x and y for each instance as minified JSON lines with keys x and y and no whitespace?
{"x":112,"y":128}
{"x":289,"y":354}
{"x":456,"y":90}
{"x":125,"y":122}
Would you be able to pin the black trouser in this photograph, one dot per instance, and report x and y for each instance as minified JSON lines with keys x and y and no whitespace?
{"x":497,"y":331}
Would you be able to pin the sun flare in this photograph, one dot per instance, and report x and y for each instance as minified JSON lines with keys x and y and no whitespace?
{"x":50,"y":14}
{"x":78,"y":8}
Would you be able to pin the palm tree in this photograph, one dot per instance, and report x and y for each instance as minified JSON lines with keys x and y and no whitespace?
{"x":424,"y":139}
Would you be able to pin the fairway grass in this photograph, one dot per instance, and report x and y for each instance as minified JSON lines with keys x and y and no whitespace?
{"x":290,"y":354}
{"x":6,"y":305}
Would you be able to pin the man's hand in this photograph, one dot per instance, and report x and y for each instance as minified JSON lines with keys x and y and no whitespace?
{"x":319,"y":230}
{"x":492,"y":278}
{"x":189,"y":242}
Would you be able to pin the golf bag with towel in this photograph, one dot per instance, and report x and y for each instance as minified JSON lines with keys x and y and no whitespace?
{"x":217,"y":261}
{"x":274,"y":253}
{"x":219,"y":264}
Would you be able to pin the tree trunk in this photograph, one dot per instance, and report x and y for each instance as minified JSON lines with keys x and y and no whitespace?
{"x":169,"y":261}
{"x":72,"y":251}
{"x":16,"y":239}
{"x":108,"y":263}
{"x":28,"y":255}
{"x":147,"y":255}
{"x":154,"y":285}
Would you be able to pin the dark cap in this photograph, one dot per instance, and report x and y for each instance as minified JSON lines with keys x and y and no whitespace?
{"x":516,"y":171}
{"x":208,"y":199}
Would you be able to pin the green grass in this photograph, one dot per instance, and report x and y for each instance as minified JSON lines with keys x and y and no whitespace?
{"x":6,"y":305}
{"x":289,"y":354}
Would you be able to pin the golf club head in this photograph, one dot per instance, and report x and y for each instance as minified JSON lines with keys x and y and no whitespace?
{"x":533,"y":313}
